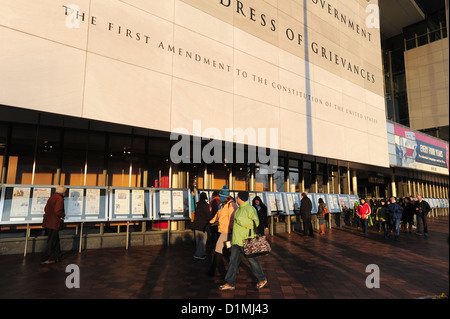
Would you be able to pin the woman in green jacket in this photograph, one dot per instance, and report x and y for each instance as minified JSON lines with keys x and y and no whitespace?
{"x":245,"y":222}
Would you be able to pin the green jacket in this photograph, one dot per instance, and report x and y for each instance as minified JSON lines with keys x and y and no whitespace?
{"x":243,"y":222}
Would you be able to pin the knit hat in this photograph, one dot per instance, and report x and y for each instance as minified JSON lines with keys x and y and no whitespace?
{"x":224,"y":192}
{"x":243,"y":196}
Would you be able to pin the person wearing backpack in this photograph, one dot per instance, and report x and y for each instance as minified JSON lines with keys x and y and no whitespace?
{"x":395,"y":211}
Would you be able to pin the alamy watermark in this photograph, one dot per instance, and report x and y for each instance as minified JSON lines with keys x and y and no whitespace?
{"x":73,"y":280}
{"x":220,"y":148}
{"x":373,"y":280}
{"x":373,"y":19}
{"x":74,"y":17}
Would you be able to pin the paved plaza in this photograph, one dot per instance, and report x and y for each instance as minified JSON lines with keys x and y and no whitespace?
{"x":332,"y":266}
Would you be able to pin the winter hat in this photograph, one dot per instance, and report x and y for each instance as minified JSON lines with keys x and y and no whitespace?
{"x":224,"y":192}
{"x":243,"y":196}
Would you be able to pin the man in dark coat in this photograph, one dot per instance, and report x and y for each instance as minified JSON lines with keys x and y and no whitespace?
{"x":305,"y":213}
{"x":53,"y":220}
{"x":395,"y":211}
{"x":201,"y":221}
{"x":422,"y":210}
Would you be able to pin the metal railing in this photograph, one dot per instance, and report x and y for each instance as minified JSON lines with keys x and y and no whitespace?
{"x":427,"y":38}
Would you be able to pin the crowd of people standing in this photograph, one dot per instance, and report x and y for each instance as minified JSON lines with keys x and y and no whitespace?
{"x":225,"y":222}
{"x":390,"y":215}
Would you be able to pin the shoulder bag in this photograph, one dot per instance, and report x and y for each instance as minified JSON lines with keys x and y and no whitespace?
{"x":258,"y":246}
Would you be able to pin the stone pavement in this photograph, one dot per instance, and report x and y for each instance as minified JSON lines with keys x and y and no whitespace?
{"x":332,"y":266}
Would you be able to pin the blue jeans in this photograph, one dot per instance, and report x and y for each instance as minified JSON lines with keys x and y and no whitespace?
{"x":396,"y":223}
{"x":235,"y":259}
{"x":200,"y":240}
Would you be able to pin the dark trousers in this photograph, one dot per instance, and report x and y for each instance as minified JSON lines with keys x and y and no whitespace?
{"x":422,"y":219}
{"x":235,"y":259}
{"x":386,"y":226}
{"x":337,"y":219}
{"x":53,"y":249}
{"x":364,"y":225}
{"x":307,"y":227}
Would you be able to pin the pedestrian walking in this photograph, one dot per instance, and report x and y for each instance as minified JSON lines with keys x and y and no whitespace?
{"x":245,"y":218}
{"x":395,"y":211}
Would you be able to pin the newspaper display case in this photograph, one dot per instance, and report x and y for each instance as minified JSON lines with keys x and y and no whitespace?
{"x":171,"y":204}
{"x":24,"y":204}
{"x":130,"y":204}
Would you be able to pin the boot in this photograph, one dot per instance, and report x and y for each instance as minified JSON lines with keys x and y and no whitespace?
{"x":322,"y":230}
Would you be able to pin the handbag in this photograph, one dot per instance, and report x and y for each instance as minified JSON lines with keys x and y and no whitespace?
{"x":258,"y":246}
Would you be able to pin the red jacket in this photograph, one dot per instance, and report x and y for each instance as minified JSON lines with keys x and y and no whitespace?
{"x":363,"y":211}
{"x":54,"y":212}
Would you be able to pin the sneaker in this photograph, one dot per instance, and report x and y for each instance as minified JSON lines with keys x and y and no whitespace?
{"x":226,"y":287}
{"x":200,"y":257}
{"x":261,"y":284}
